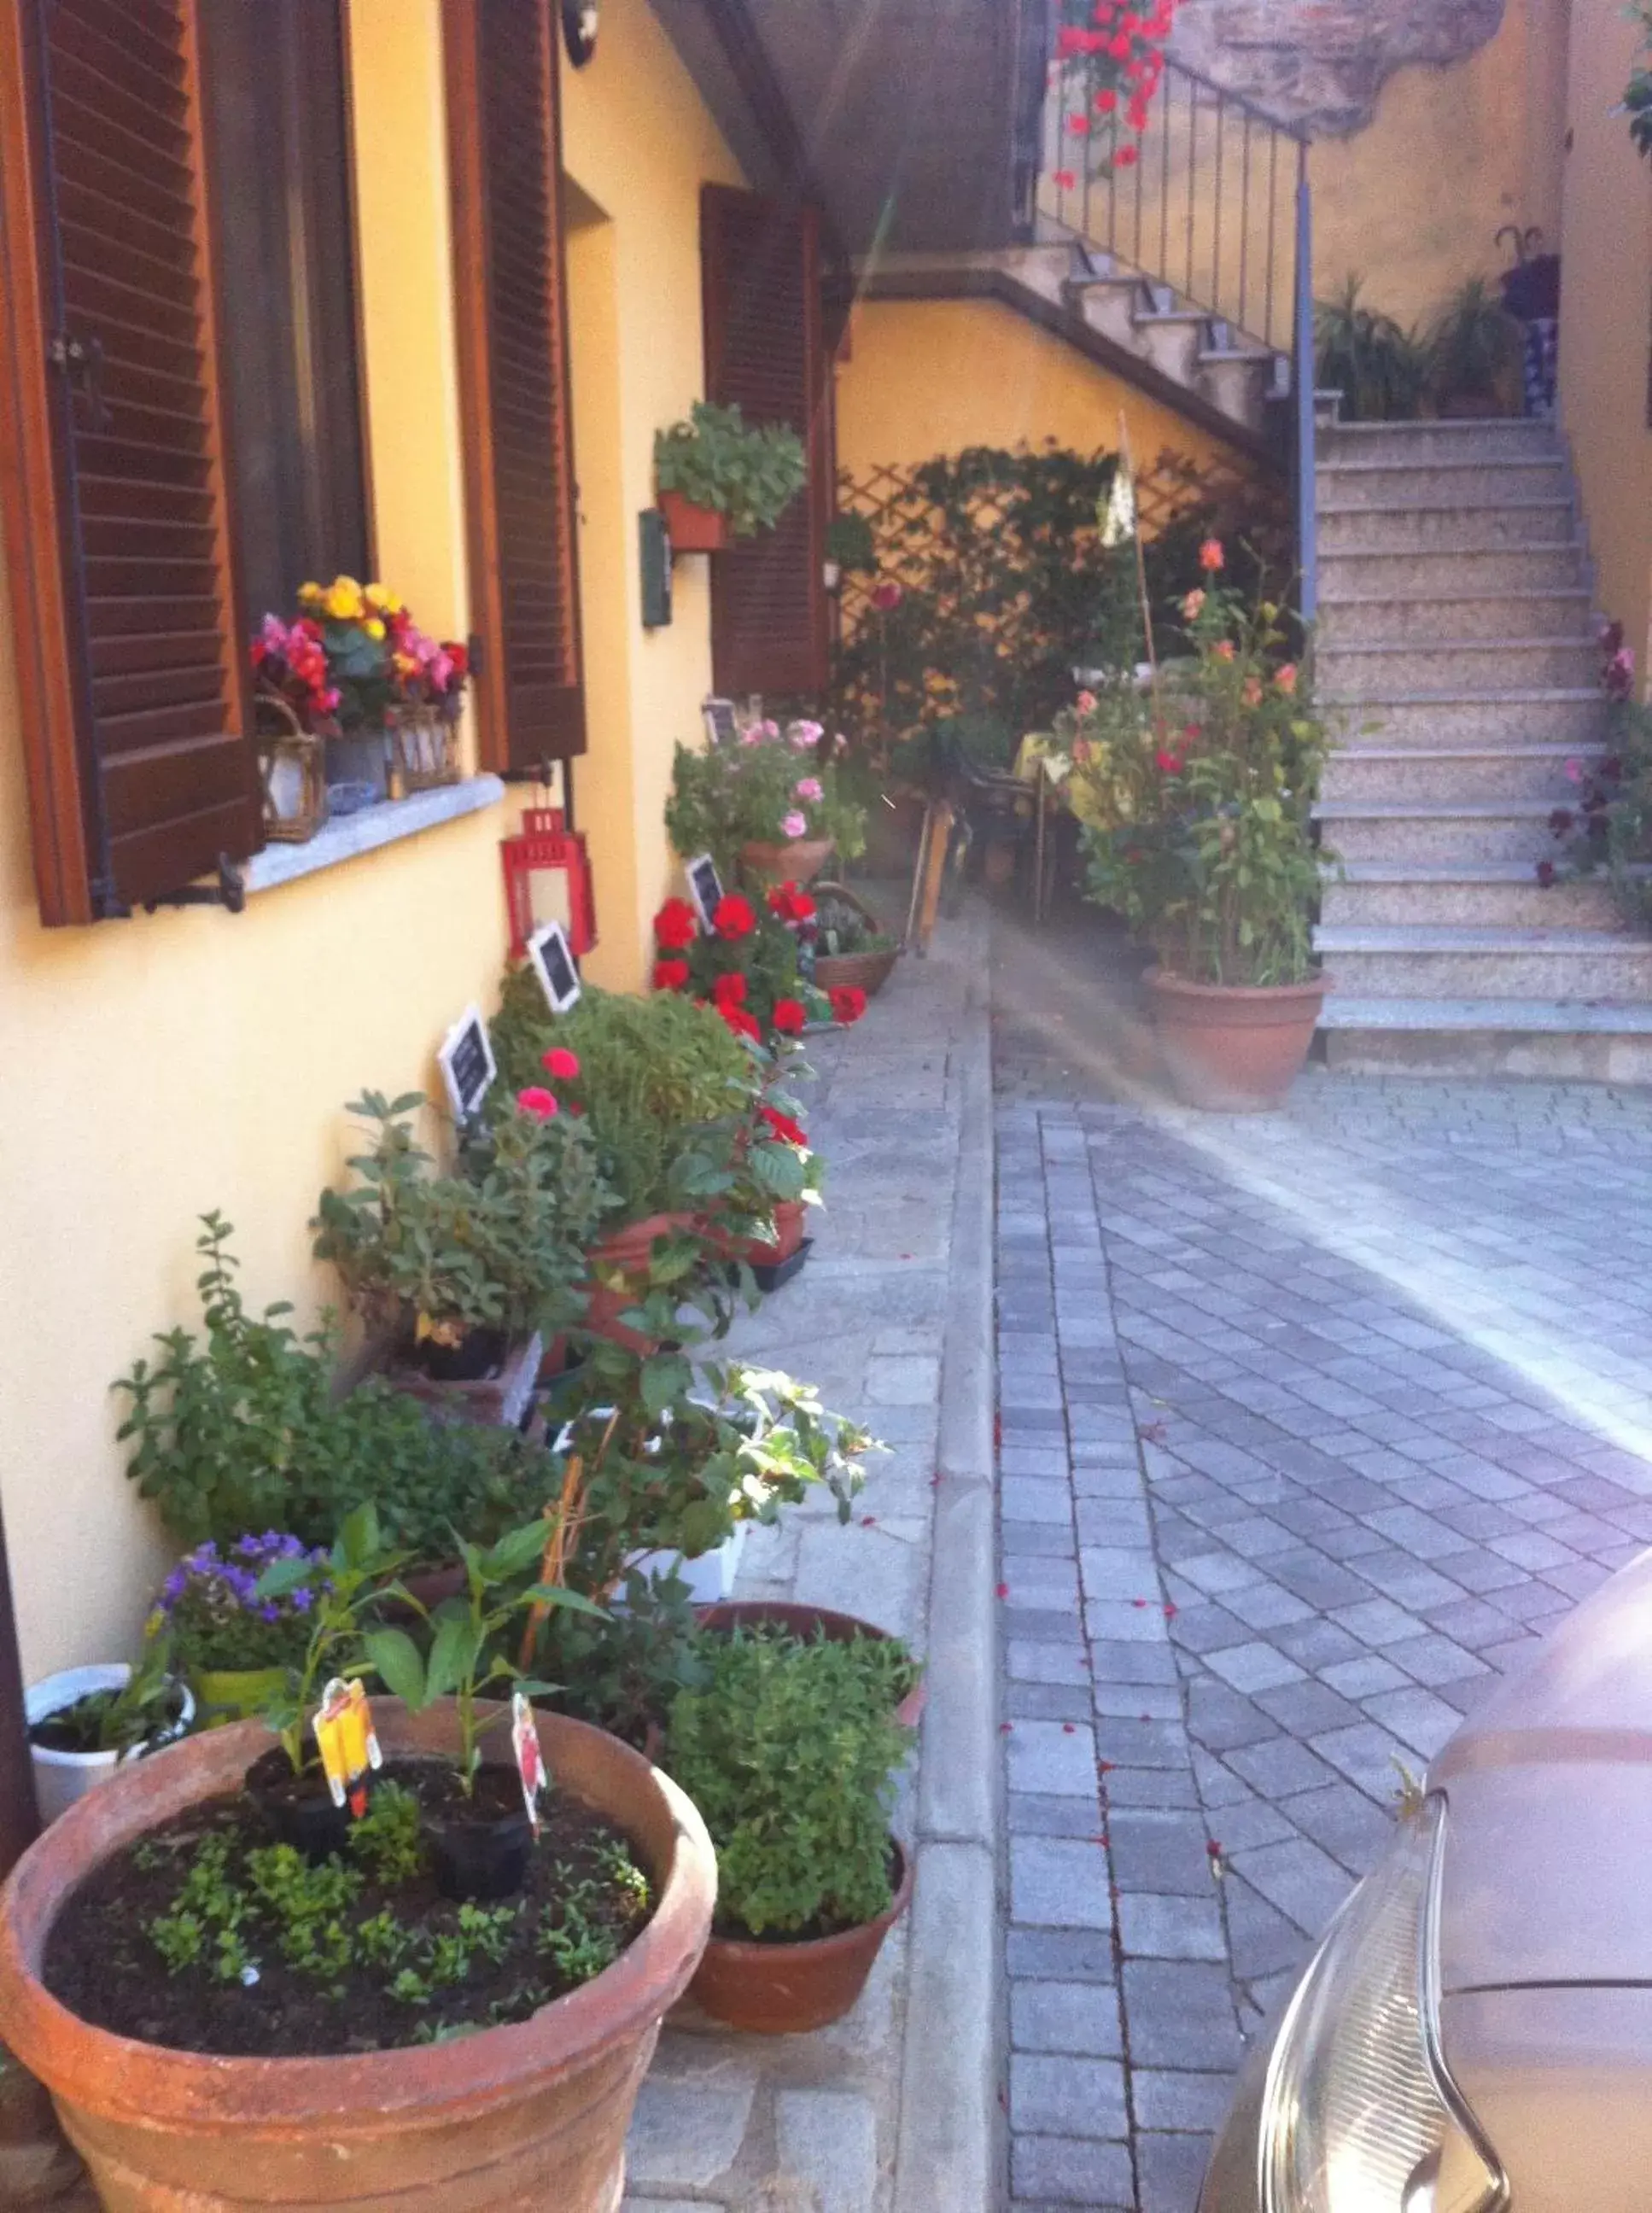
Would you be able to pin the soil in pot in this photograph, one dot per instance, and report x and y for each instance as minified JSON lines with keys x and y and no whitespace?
{"x":76,"y":1728}
{"x":787,"y":1986}
{"x":480,"y":1352}
{"x":362,"y":1953}
{"x":297,"y":1809}
{"x":479,"y":1844}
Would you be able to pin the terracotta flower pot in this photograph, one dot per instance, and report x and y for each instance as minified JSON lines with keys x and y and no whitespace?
{"x":525,"y":2115}
{"x":783,"y":1989}
{"x":798,"y":863}
{"x":624,"y":1253}
{"x":809,"y":1621}
{"x":694,"y":529}
{"x":1234,"y":1048}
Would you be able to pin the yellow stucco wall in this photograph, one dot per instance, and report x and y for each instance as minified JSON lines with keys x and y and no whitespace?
{"x":192,"y":1059}
{"x":931,"y":376}
{"x":1412,"y":203}
{"x":1606,"y":251}
{"x":637,"y":142}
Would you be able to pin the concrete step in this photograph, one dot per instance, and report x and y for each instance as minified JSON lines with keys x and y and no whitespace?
{"x":1239,"y":384}
{"x":1412,"y":442}
{"x":1475,"y":481}
{"x":1447,"y":961}
{"x":1437,"y":830}
{"x":1460,"y":718}
{"x":1556,"y":1042}
{"x":1108,"y":304}
{"x":1444,"y":526}
{"x":1385,"y":573}
{"x":1481,"y":772}
{"x":1379,"y":618}
{"x":1467,"y":894}
{"x":1390,"y":669}
{"x":1170,"y":339}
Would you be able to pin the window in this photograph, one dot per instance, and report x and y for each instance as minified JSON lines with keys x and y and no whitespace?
{"x":276,"y":94}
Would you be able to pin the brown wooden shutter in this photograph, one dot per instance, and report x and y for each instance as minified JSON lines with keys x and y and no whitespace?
{"x":504,"y":141}
{"x":130,"y":655}
{"x":765,"y":353}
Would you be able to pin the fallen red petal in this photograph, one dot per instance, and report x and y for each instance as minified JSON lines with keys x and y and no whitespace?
{"x":1002,"y":1590}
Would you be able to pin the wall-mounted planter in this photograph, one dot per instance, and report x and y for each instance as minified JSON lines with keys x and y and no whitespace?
{"x":694,"y":529}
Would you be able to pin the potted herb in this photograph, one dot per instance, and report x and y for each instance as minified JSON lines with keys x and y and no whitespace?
{"x":241,"y":1429}
{"x":83,"y":1722}
{"x":1474,"y":352}
{"x":206,"y":2007}
{"x":720,"y":478}
{"x":852,"y":949}
{"x":1195,"y":806}
{"x":790,"y":1751}
{"x":234,"y":1644}
{"x":879,"y":1655}
{"x":766,"y":800}
{"x":480,"y":1832}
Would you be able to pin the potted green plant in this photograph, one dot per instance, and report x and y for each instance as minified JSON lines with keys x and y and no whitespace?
{"x":789,"y":1750}
{"x":879,"y":1654}
{"x":206,"y":2006}
{"x":1381,"y":369}
{"x":83,"y":1722}
{"x":850,"y":543}
{"x":766,"y":801}
{"x":1194,"y":804}
{"x":852,"y":949}
{"x":1474,"y":352}
{"x":719,"y":477}
{"x":235,"y":1645}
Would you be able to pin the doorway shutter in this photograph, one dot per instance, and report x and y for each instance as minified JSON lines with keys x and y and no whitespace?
{"x":765,"y":352}
{"x":511,"y":287}
{"x":112,"y":475}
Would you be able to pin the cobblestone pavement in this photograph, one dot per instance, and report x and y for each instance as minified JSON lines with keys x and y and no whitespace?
{"x":1311,"y":1423}
{"x":732,"y":2124}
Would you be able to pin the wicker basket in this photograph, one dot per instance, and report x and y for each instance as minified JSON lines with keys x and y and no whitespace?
{"x":292,"y":773}
{"x":423,"y":749}
{"x":854,"y":972}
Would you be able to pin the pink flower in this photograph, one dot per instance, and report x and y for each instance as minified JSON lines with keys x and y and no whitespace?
{"x":1286,"y":678}
{"x":1211,"y":557}
{"x":1250,"y":693}
{"x":795,"y":825}
{"x":887,"y":596}
{"x":1063,"y":181}
{"x":561,"y":1065}
{"x":536,"y":1101}
{"x":1086,"y":702}
{"x":1574,"y":771}
{"x":810,"y":787}
{"x":1223,"y":649}
{"x":752,"y":735}
{"x":1193,"y":605}
{"x":805,"y":736}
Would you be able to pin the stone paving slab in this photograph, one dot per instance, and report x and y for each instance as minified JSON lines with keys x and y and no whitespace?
{"x":818,"y":2124}
{"x":1311,"y":1423}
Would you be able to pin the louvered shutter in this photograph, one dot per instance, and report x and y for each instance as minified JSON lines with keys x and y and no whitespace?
{"x":129,"y":645}
{"x":504,"y":139}
{"x":765,"y":352}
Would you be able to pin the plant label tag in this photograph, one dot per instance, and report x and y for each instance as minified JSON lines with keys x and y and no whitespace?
{"x":345,"y":1739}
{"x":530,"y":1760}
{"x":552,"y":959}
{"x":722,"y":721}
{"x":467,"y":1064}
{"x":705,"y":888}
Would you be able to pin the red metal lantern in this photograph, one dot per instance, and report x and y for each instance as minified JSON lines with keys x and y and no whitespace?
{"x":548,"y":878}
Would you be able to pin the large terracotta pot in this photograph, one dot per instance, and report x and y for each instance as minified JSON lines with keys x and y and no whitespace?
{"x":534,"y":2114}
{"x":783,"y":1989}
{"x":624,"y":1253}
{"x":694,"y":529}
{"x":798,"y":863}
{"x":808,"y":1622}
{"x":1235,"y":1048}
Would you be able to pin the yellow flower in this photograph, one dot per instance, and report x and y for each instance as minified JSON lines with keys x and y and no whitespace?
{"x":309,"y":594}
{"x":382,"y":600}
{"x":343,"y":600}
{"x":373,"y":627}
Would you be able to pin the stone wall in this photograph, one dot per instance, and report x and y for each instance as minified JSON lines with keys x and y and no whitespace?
{"x":1322,"y":63}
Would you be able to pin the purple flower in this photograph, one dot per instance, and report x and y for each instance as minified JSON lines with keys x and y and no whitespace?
{"x":302,"y":1600}
{"x":268,"y":1611}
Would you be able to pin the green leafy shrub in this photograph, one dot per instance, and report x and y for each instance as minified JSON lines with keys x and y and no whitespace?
{"x":766,"y":785}
{"x":750,"y":473}
{"x":661,"y":1087}
{"x":790,"y":1752}
{"x":1381,"y":370}
{"x":1474,"y":346}
{"x":239,"y":1431}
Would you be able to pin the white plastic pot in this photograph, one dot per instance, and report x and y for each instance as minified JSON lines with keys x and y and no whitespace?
{"x":709,"y":1576}
{"x":61,"y":1777}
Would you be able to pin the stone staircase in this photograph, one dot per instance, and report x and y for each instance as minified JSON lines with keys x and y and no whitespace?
{"x":1457,"y":660}
{"x":1143,"y":329}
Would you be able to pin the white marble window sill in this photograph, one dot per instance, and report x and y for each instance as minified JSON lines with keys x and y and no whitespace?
{"x":351,"y":835}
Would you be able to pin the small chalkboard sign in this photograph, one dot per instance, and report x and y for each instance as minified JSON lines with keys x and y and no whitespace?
{"x":467,"y":1064}
{"x":705,"y":888}
{"x":553,"y":963}
{"x":721,"y":725}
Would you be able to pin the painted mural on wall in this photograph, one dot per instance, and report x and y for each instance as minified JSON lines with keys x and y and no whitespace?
{"x":1323,"y":63}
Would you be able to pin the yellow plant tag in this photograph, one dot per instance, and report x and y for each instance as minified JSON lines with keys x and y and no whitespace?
{"x":348,"y":1746}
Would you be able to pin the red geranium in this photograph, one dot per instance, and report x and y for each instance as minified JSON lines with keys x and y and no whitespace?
{"x":734,"y":916}
{"x":789,"y":1016}
{"x":848,"y":1004}
{"x":563,"y":1066}
{"x":676,"y":926}
{"x":790,"y":904}
{"x":1211,"y":557}
{"x":782,"y":1126}
{"x":671,"y":975}
{"x":729,"y":991}
{"x":741,"y":1023}
{"x":537,"y":1101}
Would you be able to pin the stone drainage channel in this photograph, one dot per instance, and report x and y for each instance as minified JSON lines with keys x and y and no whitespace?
{"x":895,"y":2109}
{"x":1311,"y":1423}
